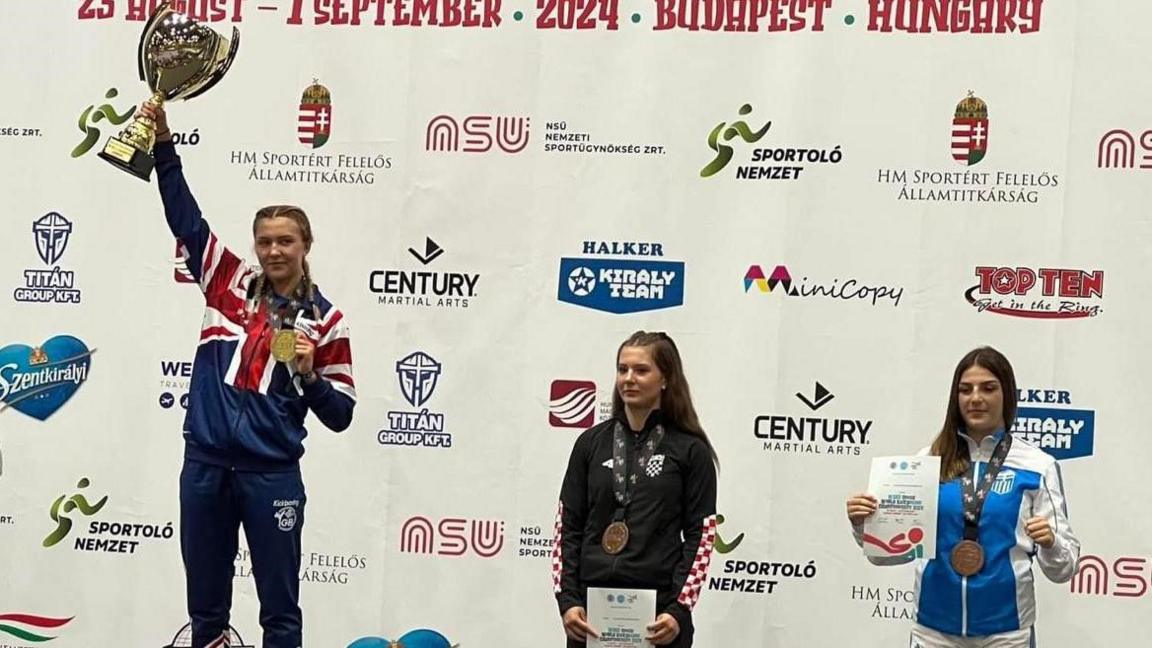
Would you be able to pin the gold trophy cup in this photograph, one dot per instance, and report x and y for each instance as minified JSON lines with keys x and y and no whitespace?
{"x":179,"y":59}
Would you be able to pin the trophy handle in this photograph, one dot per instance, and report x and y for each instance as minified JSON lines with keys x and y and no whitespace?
{"x":234,"y":46}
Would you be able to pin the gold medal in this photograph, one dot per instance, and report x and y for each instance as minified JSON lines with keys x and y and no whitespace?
{"x":615,"y":538}
{"x":284,"y":345}
{"x":968,"y":558}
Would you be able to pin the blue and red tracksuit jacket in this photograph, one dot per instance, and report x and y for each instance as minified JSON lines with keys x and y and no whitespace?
{"x":246,"y":411}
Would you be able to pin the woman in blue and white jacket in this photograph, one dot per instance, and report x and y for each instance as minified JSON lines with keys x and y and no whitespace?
{"x":1023,"y":517}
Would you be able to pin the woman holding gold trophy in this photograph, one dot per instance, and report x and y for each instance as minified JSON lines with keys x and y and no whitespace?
{"x":271,"y":349}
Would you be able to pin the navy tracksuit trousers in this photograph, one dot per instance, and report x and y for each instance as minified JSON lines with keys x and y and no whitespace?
{"x":214,"y":502}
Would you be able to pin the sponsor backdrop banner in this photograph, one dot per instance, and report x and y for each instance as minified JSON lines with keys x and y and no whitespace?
{"x":826,"y":203}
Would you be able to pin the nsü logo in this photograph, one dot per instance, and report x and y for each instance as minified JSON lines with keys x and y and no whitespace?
{"x":1117,"y":150}
{"x":1125,"y":577}
{"x":480,"y":134}
{"x":1044,"y":293}
{"x":452,"y":536}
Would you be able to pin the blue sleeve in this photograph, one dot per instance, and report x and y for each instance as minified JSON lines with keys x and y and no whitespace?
{"x":330,"y":406}
{"x":180,"y":208}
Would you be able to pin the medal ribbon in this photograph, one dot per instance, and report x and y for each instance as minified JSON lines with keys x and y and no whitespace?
{"x":623,"y":479}
{"x":974,"y":497}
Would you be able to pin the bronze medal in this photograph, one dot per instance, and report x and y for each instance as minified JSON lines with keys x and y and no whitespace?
{"x":284,"y":345}
{"x":615,"y":538}
{"x":968,"y":558}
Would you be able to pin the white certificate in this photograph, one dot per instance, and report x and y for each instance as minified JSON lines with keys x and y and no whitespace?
{"x":621,"y":616}
{"x":904,"y":525}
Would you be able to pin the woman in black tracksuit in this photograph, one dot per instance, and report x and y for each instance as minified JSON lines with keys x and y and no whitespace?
{"x":656,"y":530}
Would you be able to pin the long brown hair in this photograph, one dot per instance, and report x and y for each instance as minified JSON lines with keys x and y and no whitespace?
{"x":954,"y":460}
{"x":297,"y":215}
{"x":676,"y":402}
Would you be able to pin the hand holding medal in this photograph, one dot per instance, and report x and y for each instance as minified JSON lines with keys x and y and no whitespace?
{"x":303,"y":340}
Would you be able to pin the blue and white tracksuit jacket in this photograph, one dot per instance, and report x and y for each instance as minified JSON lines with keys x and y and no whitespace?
{"x":1001,"y":597}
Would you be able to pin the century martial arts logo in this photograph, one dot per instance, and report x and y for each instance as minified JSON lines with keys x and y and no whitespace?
{"x":780,"y":282}
{"x":621,"y":285}
{"x":175,"y":384}
{"x":418,"y":374}
{"x":38,"y":381}
{"x":970,"y":130}
{"x":107,"y":537}
{"x":452,"y":536}
{"x":968,"y":146}
{"x":1046,"y":419}
{"x":424,"y":288}
{"x":1043,"y":293}
{"x":746,"y":576}
{"x":572,"y":404}
{"x":314,"y":119}
{"x":785,"y":162}
{"x":480,"y":134}
{"x":51,"y":233}
{"x":1124,"y":577}
{"x":806,"y":434}
{"x":32,"y":628}
{"x":421,"y":638}
{"x":183,"y":639}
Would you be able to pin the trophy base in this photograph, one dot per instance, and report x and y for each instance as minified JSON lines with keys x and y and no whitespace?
{"x":128,"y":158}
